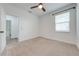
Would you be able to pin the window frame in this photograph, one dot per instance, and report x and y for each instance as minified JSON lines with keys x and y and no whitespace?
{"x":63,"y":22}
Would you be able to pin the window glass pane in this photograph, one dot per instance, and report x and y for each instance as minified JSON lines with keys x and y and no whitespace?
{"x":62,"y":17}
{"x":62,"y":27}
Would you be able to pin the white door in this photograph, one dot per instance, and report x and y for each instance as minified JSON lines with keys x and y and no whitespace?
{"x":2,"y":30}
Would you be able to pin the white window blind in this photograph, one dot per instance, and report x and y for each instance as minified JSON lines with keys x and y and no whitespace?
{"x":62,"y":22}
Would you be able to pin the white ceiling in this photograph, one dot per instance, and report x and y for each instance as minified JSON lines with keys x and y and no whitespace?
{"x":48,"y":6}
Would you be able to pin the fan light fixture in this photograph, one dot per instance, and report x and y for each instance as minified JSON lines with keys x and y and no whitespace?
{"x":40,"y":6}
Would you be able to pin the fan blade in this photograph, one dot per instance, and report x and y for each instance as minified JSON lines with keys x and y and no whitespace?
{"x":40,"y":4}
{"x":43,"y":9}
{"x":34,"y":7}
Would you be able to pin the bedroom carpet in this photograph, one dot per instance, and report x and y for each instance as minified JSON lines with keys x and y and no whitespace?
{"x":40,"y":47}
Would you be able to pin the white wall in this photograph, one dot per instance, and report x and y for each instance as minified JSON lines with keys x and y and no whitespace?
{"x":28,"y":23}
{"x":47,"y":25}
{"x":28,"y":27}
{"x":77,"y":24}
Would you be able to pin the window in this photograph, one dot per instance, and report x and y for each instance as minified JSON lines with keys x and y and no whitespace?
{"x":62,"y":22}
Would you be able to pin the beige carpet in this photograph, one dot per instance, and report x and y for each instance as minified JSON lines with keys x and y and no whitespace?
{"x":40,"y":47}
{"x":10,"y":41}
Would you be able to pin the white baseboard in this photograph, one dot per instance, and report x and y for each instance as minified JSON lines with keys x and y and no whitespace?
{"x":31,"y":37}
{"x":59,"y":40}
{"x":28,"y":38}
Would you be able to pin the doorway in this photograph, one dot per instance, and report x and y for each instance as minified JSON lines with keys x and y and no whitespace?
{"x":11,"y":29}
{"x":8,"y":31}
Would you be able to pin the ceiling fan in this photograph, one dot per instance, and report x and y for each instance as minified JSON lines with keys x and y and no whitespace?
{"x":40,"y":6}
